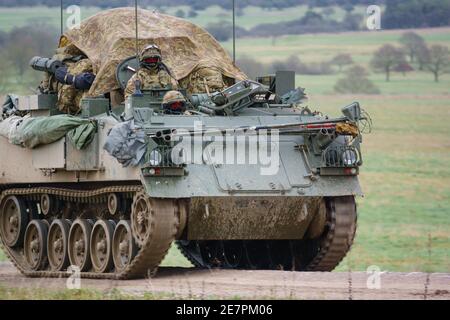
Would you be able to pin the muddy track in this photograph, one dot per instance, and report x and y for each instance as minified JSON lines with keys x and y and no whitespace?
{"x":155,"y":224}
{"x":162,"y":232}
{"x":203,"y":284}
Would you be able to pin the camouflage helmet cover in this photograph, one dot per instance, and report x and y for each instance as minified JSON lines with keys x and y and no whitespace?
{"x":174,"y":102}
{"x":150,"y":51}
{"x":173,"y":96}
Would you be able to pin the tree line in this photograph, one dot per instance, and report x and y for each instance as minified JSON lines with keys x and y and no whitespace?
{"x":311,"y":22}
{"x":401,"y":14}
{"x":414,"y":53}
{"x":195,"y":4}
{"x":398,"y":14}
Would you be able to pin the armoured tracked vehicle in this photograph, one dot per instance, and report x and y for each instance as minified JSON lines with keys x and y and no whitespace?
{"x":283,"y":198}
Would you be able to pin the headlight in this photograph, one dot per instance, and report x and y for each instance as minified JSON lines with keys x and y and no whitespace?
{"x":155,"y":158}
{"x":349,"y":158}
{"x":178,"y":156}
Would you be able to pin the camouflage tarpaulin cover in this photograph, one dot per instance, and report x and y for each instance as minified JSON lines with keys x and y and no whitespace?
{"x":108,"y":38}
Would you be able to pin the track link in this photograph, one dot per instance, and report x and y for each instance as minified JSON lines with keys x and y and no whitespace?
{"x":166,"y":222}
{"x":339,"y":238}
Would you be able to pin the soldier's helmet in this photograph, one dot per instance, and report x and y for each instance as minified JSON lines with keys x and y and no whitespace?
{"x":174,"y":102}
{"x":151,"y":56}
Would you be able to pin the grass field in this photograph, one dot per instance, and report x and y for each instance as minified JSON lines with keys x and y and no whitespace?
{"x":361,"y":45}
{"x":406,"y":173}
{"x":320,"y":47}
{"x":406,"y":181}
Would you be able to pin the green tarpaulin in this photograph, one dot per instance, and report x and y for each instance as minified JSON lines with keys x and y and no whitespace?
{"x":32,"y":132}
{"x":82,"y":136}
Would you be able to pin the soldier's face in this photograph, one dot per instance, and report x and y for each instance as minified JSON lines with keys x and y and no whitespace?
{"x":151,"y":62}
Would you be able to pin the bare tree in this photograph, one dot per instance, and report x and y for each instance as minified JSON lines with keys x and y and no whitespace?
{"x":356,"y":81}
{"x":341,"y":60}
{"x":439,"y":61}
{"x":423,"y":56}
{"x":412,"y":43}
{"x":387,"y":58}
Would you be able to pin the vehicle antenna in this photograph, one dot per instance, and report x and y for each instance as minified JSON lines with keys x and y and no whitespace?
{"x":137,"y":31}
{"x":234,"y":31}
{"x":137,"y":83}
{"x":62,"y":17}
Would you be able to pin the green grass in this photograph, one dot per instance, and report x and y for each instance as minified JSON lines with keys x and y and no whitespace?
{"x":17,"y":17}
{"x":361,"y":45}
{"x":82,"y":294}
{"x":10,"y":17}
{"x":405,"y":178}
{"x":322,"y":47}
{"x":175,"y":259}
{"x":416,"y":83}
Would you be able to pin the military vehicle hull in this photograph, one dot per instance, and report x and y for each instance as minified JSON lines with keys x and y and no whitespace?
{"x":97,"y":211}
{"x":62,"y":207}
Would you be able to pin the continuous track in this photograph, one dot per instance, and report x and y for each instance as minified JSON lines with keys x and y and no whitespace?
{"x":322,"y":254}
{"x":164,"y":219}
{"x":164,"y":228}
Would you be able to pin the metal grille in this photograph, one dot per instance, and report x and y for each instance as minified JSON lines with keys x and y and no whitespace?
{"x":341,"y":157}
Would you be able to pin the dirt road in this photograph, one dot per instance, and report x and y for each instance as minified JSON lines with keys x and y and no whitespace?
{"x":191,"y":283}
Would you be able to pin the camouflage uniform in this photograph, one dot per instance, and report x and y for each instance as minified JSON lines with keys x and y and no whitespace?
{"x":204,"y":79}
{"x":152,"y":73}
{"x":151,"y":79}
{"x":69,"y":98}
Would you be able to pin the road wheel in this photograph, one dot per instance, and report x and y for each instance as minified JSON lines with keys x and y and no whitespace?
{"x":101,"y":246}
{"x":123,"y":246}
{"x":14,"y":221}
{"x":79,"y":239}
{"x":57,"y":244}
{"x":35,"y":245}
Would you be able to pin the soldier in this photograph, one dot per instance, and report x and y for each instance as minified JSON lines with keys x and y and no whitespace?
{"x":204,"y":79}
{"x":174,"y":103}
{"x":72,"y":81}
{"x":77,"y":79}
{"x":153,"y":74}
